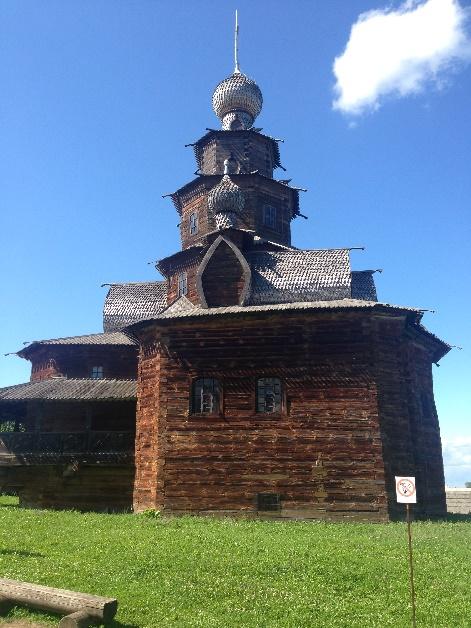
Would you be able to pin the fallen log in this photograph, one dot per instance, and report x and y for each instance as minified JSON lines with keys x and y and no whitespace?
{"x":81,"y":609}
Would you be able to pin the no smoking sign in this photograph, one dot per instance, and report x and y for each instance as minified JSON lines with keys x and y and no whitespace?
{"x":405,"y":490}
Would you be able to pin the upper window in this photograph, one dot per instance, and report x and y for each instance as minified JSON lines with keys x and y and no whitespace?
{"x":269,"y":216}
{"x":182,"y":284}
{"x":97,"y":372}
{"x":205,"y":398}
{"x":269,"y":395}
{"x":193,"y":223}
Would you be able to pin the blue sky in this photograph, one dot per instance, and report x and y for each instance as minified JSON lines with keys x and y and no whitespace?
{"x":99,"y":97}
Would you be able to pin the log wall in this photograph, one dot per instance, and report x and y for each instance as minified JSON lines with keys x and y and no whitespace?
{"x":253,"y":152}
{"x":63,"y":487}
{"x":223,"y":279}
{"x":259,"y":192}
{"x":119,"y":362}
{"x":409,"y":423}
{"x":322,"y":454}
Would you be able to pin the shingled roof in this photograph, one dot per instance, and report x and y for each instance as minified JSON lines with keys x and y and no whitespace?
{"x":363,"y":285}
{"x":183,"y":308}
{"x":128,"y":303}
{"x":62,"y":389}
{"x":112,"y":338}
{"x":291,"y":276}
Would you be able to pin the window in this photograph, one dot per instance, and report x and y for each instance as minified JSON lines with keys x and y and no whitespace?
{"x":269,"y":502}
{"x":182,"y":284}
{"x":269,"y":395}
{"x":193,"y":223}
{"x":269,"y":216}
{"x":97,"y":372}
{"x":12,"y":425}
{"x":205,"y":396}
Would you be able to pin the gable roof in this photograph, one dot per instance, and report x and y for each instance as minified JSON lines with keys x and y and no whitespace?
{"x":128,"y":303}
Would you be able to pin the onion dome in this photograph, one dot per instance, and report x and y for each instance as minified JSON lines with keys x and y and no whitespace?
{"x":226,"y":202}
{"x":237,"y":101}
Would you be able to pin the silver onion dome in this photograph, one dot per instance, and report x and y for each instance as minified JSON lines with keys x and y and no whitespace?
{"x":226,"y":202}
{"x":237,"y":101}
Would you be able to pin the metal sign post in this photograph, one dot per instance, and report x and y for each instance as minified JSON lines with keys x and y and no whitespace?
{"x":406,"y":494}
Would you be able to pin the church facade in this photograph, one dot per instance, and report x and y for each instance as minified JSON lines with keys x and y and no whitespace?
{"x":256,"y":378}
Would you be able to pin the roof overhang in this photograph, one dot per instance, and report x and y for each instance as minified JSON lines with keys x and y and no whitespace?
{"x":58,"y":389}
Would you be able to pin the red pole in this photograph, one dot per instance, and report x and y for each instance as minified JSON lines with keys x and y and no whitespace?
{"x":411,"y":565}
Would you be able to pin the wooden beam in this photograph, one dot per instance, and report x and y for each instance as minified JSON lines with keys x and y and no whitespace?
{"x":81,"y":609}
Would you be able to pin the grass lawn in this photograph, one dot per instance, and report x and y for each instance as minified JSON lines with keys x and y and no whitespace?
{"x":192,"y":571}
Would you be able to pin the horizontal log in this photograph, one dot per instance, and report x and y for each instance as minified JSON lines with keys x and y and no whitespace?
{"x":59,"y":601}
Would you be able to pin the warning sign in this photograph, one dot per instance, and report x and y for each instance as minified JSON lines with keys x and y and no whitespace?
{"x":405,"y":490}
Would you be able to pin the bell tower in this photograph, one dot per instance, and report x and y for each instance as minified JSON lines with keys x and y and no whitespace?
{"x":235,"y":198}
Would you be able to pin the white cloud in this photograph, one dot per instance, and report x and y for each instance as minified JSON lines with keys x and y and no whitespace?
{"x":400,"y":52}
{"x":457,"y":459}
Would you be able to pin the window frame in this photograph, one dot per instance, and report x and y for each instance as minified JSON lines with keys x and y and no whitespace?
{"x":218,"y":409}
{"x":282,"y":402}
{"x":182,"y":283}
{"x":97,"y":372}
{"x":270,"y":211}
{"x":193,"y":226}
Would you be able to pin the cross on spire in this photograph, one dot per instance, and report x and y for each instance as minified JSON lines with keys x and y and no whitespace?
{"x":236,"y":45}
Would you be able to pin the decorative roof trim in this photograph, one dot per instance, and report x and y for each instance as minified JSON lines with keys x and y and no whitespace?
{"x":247,"y":273}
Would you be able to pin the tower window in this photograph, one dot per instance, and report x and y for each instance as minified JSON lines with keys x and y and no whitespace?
{"x":182,"y":284}
{"x":97,"y":372}
{"x":193,"y":219}
{"x":205,"y":398}
{"x":269,"y":216}
{"x":269,"y":395}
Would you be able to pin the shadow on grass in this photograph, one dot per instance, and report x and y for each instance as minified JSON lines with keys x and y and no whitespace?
{"x":15,"y":552}
{"x":23,"y":613}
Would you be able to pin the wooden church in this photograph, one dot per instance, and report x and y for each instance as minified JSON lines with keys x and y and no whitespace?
{"x":256,"y":378}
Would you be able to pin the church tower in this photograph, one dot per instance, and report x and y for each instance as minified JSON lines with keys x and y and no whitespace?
{"x":274,"y":381}
{"x":234,"y":203}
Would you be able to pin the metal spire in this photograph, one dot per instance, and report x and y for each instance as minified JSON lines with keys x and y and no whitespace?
{"x":236,"y":45}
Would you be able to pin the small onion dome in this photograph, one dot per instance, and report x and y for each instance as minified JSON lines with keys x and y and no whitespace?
{"x":237,"y":101}
{"x":225,"y":202}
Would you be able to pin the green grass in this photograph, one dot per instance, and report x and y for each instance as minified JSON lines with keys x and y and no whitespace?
{"x":200,"y":572}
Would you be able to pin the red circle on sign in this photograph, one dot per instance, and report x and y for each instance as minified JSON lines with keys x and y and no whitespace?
{"x":409,"y":491}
